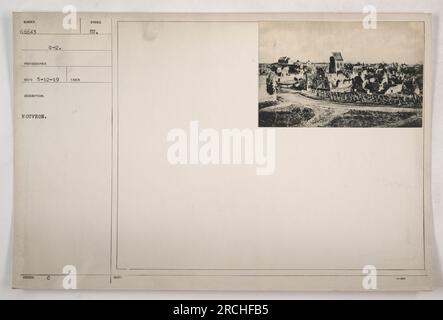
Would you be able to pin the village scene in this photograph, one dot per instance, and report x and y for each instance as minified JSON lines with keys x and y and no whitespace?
{"x":337,"y":93}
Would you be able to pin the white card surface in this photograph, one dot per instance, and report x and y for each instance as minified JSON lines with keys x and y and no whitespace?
{"x":176,"y":151}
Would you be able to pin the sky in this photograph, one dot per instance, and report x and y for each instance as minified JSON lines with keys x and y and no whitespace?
{"x":315,"y":41}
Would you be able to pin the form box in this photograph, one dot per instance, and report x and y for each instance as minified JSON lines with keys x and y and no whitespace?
{"x":89,"y":74}
{"x":66,"y":74}
{"x":66,"y":58}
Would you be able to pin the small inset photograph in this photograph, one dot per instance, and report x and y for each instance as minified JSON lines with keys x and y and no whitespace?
{"x":340,"y":74}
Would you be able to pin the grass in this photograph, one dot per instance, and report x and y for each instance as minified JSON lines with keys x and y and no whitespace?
{"x":364,"y":118}
{"x":266,"y":104}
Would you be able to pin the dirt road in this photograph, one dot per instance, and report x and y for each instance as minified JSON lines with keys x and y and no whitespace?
{"x":325,"y":111}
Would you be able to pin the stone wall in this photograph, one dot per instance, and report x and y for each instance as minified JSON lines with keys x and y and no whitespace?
{"x":370,"y":99}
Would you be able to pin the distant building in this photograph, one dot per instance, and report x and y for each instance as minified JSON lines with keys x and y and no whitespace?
{"x":283,"y":71}
{"x":308,"y":64}
{"x":394,"y":90}
{"x":336,"y":62}
{"x":339,"y":82}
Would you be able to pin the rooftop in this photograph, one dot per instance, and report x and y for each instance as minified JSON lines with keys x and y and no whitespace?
{"x":337,"y":56}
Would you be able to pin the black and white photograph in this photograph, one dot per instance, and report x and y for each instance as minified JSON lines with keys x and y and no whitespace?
{"x":340,"y":74}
